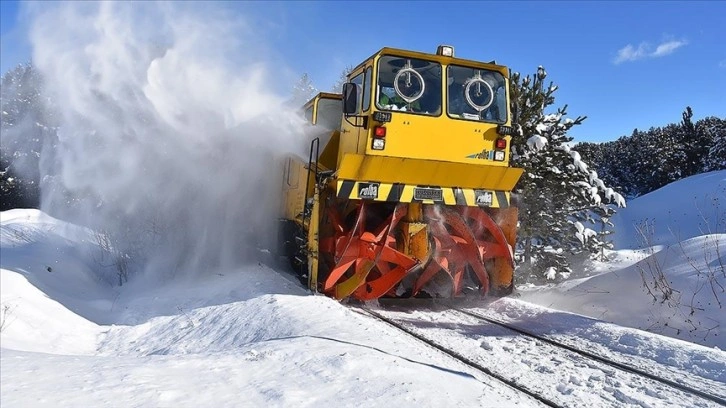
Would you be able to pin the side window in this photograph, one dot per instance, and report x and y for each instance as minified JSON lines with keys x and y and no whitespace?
{"x":367,"y":89}
{"x":358,"y":80}
{"x":330,"y":113}
{"x":309,"y":114}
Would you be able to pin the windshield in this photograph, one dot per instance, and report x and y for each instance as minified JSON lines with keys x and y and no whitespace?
{"x":409,"y":85}
{"x":476,"y":94}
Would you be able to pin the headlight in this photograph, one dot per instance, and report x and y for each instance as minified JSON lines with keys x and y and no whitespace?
{"x":498,"y":155}
{"x":445,"y":50}
{"x":380,"y":144}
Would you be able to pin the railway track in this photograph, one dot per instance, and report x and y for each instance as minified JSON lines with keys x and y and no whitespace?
{"x":537,"y":365}
{"x":680,"y":386}
{"x":466,"y":360}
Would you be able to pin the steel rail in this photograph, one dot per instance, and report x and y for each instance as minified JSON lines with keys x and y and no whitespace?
{"x":463,"y":359}
{"x":601,"y":359}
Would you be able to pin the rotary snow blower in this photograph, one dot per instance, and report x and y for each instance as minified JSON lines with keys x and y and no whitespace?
{"x":406,"y":191}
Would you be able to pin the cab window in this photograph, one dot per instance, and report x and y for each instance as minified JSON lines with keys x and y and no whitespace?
{"x":409,"y":85}
{"x":308,"y":114}
{"x":476,"y":94}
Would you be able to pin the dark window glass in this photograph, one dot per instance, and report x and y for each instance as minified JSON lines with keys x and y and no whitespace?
{"x":367,"y":90}
{"x":358,"y":81}
{"x":476,"y":94}
{"x":409,"y":85}
{"x":330,"y":113}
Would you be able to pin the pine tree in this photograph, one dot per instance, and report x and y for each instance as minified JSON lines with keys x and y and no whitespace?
{"x":559,"y":198}
{"x":338,"y":86}
{"x":648,"y":160}
{"x":693,"y":146}
{"x":615,"y":168}
{"x":303,"y":91}
{"x":714,"y":130}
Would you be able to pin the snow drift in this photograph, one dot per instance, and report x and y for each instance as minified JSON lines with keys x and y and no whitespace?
{"x":687,"y":208}
{"x":669,"y":275}
{"x":250,"y":337}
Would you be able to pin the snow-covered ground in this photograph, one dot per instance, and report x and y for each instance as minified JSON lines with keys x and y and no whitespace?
{"x":674,"y":239}
{"x":169,"y":118}
{"x":248,"y":337}
{"x":254,"y":337}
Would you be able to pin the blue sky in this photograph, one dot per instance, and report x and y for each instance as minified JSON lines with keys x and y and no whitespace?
{"x":625,"y":65}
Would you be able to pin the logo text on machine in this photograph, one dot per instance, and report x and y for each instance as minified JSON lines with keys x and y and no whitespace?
{"x":368,"y":190}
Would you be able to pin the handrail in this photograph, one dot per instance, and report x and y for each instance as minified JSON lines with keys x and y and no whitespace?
{"x":314,"y":146}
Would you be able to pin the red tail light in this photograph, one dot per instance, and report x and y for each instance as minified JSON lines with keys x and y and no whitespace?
{"x":500,"y":144}
{"x":379,"y":131}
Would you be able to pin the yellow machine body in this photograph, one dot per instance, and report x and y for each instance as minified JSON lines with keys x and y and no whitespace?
{"x":407,"y":187}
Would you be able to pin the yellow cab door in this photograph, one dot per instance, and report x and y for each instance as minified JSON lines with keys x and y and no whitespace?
{"x":354,"y":132}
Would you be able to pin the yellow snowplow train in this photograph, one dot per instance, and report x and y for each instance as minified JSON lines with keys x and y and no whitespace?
{"x":406,"y":191}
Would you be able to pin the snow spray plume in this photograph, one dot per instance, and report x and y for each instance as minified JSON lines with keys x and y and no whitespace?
{"x":168,"y":132}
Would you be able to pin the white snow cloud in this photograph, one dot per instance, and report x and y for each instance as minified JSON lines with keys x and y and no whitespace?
{"x":645,"y":50}
{"x":170,"y":129}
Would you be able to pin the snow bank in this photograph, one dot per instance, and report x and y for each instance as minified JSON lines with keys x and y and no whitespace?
{"x":684,"y":209}
{"x":669,"y":275}
{"x":250,"y":337}
{"x":255,"y":337}
{"x":683,"y":298}
{"x":32,"y":321}
{"x":63,"y":261}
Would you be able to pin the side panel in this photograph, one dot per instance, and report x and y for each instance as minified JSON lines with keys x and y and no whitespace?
{"x":293,"y":187}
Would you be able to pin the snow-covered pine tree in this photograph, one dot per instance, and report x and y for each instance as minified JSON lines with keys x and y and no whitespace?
{"x":338,"y":86}
{"x":641,"y":158}
{"x":565,"y":208}
{"x":714,"y":129}
{"x":303,"y":91}
{"x":669,"y":157}
{"x":648,"y":160}
{"x":612,"y":161}
{"x":695,"y":145}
